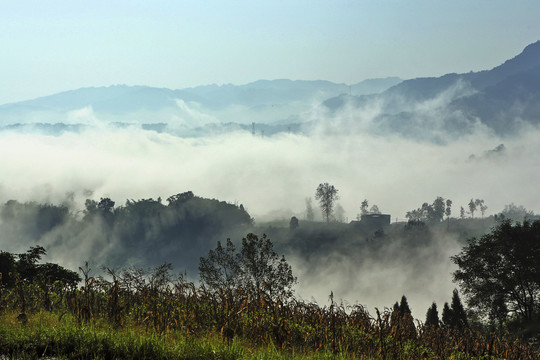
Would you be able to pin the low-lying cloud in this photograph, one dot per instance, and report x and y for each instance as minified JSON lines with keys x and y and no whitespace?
{"x":269,"y":173}
{"x":272,"y":176}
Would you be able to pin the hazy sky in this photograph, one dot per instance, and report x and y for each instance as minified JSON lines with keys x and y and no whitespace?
{"x":49,"y":46}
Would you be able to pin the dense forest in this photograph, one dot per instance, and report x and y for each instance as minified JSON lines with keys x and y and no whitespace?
{"x":106,"y":234}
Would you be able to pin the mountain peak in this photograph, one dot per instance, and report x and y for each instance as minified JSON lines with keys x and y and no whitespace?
{"x":528,"y":59}
{"x":534,"y":47}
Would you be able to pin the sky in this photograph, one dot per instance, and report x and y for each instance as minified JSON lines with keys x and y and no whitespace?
{"x":50,"y":46}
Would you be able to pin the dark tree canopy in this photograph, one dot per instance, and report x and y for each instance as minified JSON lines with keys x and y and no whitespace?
{"x":25,"y":268}
{"x":7,"y":269}
{"x":501,"y":270}
{"x":26,"y":265}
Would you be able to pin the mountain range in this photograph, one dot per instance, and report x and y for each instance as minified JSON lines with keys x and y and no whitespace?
{"x":261,"y":101}
{"x":499,"y":100}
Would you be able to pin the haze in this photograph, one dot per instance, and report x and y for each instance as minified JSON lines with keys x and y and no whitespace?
{"x":371,"y":142}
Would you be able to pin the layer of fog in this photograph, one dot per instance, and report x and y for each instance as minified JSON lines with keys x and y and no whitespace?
{"x":270,"y":173}
{"x":272,"y":176}
{"x":378,"y":278}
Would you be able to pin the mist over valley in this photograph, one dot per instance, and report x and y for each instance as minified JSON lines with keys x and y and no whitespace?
{"x":266,"y":146}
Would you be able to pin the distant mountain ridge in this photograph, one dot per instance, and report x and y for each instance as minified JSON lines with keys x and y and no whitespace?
{"x":122,"y":99}
{"x":500,"y":98}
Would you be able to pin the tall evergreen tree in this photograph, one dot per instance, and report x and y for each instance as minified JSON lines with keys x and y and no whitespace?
{"x":447,"y":316}
{"x":432,"y":316}
{"x":454,"y":315}
{"x":404,"y":307}
{"x":395,"y":316}
{"x":459,"y":315}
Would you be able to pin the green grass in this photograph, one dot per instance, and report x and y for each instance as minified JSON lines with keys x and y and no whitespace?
{"x":46,"y":336}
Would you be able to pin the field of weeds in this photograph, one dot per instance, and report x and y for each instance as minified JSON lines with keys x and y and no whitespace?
{"x":154,"y":314}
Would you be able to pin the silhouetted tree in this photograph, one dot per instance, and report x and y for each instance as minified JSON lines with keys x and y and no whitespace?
{"x":51,"y":273}
{"x":106,"y":205}
{"x":432,"y":316}
{"x":401,"y":309}
{"x":103,"y":208}
{"x":395,"y":316}
{"x":454,"y":316}
{"x":26,"y":264}
{"x":447,"y":315}
{"x":502,"y":267}
{"x":25,"y":268}
{"x":448,"y":210}
{"x":481,"y":205}
{"x":472,"y":207}
{"x":402,"y":319}
{"x":404,"y":306}
{"x":364,"y":207}
{"x":7,"y":269}
{"x":293,"y":224}
{"x":438,"y":211}
{"x":180,"y":198}
{"x":326,"y":194}
{"x":430,"y":213}
{"x":458,"y":311}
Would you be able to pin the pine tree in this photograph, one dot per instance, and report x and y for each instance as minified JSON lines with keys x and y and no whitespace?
{"x":394,"y":317}
{"x":401,"y":319}
{"x":432,"y":316}
{"x":447,"y":316}
{"x":454,"y":316}
{"x":404,"y":307}
{"x":459,"y":315}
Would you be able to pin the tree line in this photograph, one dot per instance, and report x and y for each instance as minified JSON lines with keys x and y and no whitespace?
{"x":327,"y":195}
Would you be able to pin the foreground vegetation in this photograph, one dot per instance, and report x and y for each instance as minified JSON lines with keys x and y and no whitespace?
{"x":155,"y":314}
